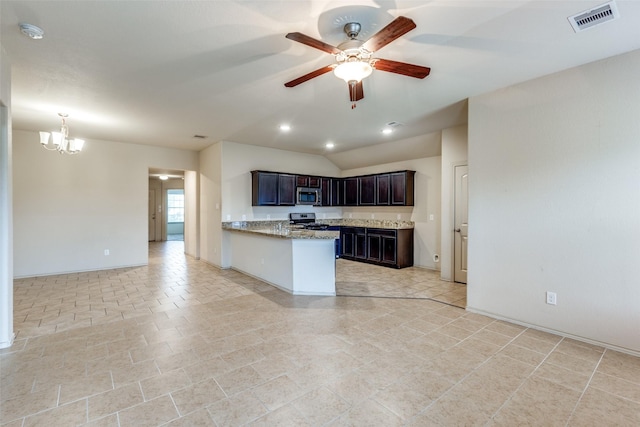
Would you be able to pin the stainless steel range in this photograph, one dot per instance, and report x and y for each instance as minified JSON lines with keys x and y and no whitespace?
{"x":306,"y":221}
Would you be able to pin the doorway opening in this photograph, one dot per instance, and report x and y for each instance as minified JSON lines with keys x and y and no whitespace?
{"x":166,"y":214}
{"x":175,"y":214}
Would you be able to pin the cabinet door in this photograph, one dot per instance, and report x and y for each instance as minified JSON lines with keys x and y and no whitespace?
{"x":360,"y":243}
{"x":325,"y":191}
{"x":302,"y":181}
{"x":347,"y":236}
{"x":374,"y":248}
{"x":351,"y":192}
{"x":337,"y":192}
{"x":388,"y":251}
{"x":404,"y":248}
{"x":286,"y":189}
{"x":314,"y":181}
{"x":382,"y":189}
{"x":367,"y":190}
{"x":402,"y":188}
{"x":264,"y":188}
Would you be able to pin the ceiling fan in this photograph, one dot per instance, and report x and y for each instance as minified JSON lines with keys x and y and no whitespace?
{"x":354,"y":57}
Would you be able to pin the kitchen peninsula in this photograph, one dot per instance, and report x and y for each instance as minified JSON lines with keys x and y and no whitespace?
{"x":299,"y":261}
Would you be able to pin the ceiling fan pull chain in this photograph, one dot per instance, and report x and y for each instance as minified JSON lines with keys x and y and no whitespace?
{"x":352,"y":92}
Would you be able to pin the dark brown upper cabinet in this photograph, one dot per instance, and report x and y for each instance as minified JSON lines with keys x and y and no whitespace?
{"x":308,"y":181}
{"x":337,"y":192}
{"x":287,"y":189}
{"x":383,"y":192}
{"x":325,"y":191}
{"x":385,"y":189}
{"x":351,"y":191}
{"x":367,"y":190}
{"x":402,"y":188}
{"x":272,"y":189}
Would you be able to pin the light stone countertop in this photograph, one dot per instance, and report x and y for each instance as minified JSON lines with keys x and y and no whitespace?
{"x":283,"y":232}
{"x":341,"y":222}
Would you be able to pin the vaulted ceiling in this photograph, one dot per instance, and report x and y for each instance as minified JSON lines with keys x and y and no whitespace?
{"x":158,"y":73}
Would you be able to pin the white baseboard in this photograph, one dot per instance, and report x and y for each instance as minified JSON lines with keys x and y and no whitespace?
{"x":555,"y":332}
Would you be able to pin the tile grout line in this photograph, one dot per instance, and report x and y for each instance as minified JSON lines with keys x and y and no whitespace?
{"x":586,"y":387}
{"x":473,"y":370}
{"x":508,"y":399}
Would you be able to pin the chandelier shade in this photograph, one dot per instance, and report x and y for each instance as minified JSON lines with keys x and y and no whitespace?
{"x":60,"y":141}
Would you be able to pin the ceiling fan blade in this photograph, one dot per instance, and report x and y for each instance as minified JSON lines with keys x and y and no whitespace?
{"x":403,"y":68}
{"x":398,"y":27}
{"x":356,"y":93}
{"x":310,"y":41}
{"x":316,"y":73}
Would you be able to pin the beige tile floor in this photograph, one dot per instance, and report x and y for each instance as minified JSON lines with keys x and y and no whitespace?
{"x":182,"y":343}
{"x":360,"y":279}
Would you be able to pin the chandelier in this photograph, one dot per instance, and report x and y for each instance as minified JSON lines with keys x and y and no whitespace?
{"x":60,"y":141}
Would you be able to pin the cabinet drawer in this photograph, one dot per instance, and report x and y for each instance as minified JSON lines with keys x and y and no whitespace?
{"x":381,"y":232}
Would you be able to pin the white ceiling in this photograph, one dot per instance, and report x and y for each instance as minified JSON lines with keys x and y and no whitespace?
{"x":157,"y":73}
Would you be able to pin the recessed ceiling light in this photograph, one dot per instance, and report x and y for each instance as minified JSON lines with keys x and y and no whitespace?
{"x":387,"y":131}
{"x":31,"y":31}
{"x":329,"y":145}
{"x":163,"y":177}
{"x":285,"y":128}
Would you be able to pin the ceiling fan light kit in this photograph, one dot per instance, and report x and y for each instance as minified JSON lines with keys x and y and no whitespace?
{"x":354,"y":57}
{"x":353,"y":71}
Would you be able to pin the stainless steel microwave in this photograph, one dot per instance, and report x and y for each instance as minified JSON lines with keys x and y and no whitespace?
{"x":308,"y":196}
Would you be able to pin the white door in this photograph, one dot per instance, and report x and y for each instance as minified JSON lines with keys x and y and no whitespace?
{"x":152,"y":215}
{"x":461,"y":218}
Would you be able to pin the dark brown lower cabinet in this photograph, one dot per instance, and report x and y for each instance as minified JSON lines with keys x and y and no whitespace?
{"x":386,"y":247}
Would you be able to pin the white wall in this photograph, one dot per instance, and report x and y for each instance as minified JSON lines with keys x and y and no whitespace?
{"x":6,"y":202}
{"x":454,"y":153}
{"x":69,"y":209}
{"x":555,"y":202}
{"x":426,"y":203}
{"x":192,"y":214}
{"x":210,"y":205}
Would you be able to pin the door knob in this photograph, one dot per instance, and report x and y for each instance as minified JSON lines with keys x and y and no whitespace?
{"x":457,"y":230}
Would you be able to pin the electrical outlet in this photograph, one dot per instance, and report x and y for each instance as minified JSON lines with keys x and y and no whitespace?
{"x":106,"y":252}
{"x":551,"y":298}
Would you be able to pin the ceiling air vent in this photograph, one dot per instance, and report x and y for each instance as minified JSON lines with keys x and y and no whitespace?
{"x":592,"y":17}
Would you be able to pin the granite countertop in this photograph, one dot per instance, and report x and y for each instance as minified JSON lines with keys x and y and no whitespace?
{"x":369,"y":223}
{"x":277,"y":229}
{"x":343,"y":222}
